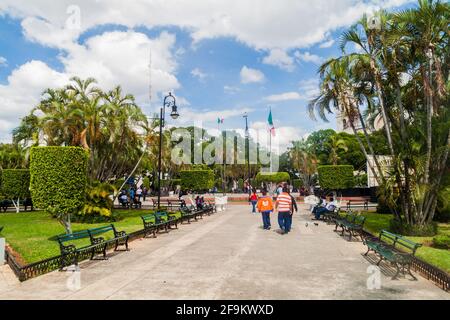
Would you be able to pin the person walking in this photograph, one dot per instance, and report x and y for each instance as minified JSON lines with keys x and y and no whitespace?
{"x":265,"y":206}
{"x":254,"y":201}
{"x":294,"y":208}
{"x":283,"y":205}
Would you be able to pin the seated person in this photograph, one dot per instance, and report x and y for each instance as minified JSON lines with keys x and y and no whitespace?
{"x":123,"y":199}
{"x":328,"y":208}
{"x":136,"y":202}
{"x":322,"y":203}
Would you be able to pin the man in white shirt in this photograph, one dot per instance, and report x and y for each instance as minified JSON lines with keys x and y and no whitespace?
{"x":327,"y":208}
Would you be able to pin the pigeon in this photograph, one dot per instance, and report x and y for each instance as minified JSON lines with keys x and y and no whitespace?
{"x":316,"y":224}
{"x":306,"y":225}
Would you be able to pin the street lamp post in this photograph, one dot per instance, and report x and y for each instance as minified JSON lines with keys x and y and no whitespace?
{"x":169,"y":102}
{"x":248,"y":150}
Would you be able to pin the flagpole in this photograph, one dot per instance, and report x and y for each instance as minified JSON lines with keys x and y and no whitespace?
{"x":270,"y":144}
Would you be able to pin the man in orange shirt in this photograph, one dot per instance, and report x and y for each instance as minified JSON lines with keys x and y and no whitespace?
{"x":265,"y":206}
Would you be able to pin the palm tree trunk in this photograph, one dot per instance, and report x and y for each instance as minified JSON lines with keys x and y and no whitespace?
{"x":378,"y":87}
{"x":369,"y":145}
{"x":429,"y":99}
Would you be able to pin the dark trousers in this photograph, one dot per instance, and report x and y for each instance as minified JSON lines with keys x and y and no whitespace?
{"x":284,"y":221}
{"x":320,"y":211}
{"x":254,"y":202}
{"x":266,"y":219}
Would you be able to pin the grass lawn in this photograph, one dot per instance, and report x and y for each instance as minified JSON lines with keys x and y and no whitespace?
{"x":33,"y":234}
{"x":437,"y":257}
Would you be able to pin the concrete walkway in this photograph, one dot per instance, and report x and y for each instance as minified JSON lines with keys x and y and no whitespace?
{"x":229,"y":256}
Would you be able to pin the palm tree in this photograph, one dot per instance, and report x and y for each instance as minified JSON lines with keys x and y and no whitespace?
{"x":338,"y":89}
{"x":304,"y":161}
{"x":335,"y":145}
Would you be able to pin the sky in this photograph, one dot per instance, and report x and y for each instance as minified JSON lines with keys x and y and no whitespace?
{"x":220,"y":58}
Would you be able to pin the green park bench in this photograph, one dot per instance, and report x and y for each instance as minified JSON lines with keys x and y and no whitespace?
{"x":341,"y":220}
{"x":188,"y":213}
{"x":152,"y":224}
{"x":354,"y":228}
{"x":70,"y":252}
{"x":169,"y":219}
{"x":209,"y":208}
{"x":331,"y":217}
{"x":351,"y":223}
{"x":394,"y":248}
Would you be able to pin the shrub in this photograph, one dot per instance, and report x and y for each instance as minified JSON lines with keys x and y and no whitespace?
{"x":336,"y":177}
{"x":197,"y":180}
{"x":98,"y":203}
{"x":428,"y":230}
{"x":361,"y":180}
{"x":442,"y":242}
{"x":15,"y":183}
{"x":58,"y":180}
{"x":275,"y":177}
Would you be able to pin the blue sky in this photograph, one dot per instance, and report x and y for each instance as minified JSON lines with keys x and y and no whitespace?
{"x":220,"y":60}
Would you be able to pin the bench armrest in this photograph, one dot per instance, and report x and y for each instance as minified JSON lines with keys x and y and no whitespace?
{"x":120,"y":234}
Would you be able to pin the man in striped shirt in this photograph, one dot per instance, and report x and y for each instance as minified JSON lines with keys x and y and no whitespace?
{"x":284,"y":207}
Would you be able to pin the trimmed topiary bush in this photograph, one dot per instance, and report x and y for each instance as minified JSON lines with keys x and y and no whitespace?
{"x":197,"y":180}
{"x":58,"y":180}
{"x":15,"y":185}
{"x":336,"y":177}
{"x":275,"y":177}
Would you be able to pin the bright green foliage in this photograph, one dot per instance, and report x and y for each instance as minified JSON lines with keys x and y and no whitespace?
{"x":275,"y":177}
{"x":297,"y":183}
{"x":197,"y":180}
{"x":442,"y":241}
{"x":98,"y":201}
{"x":336,"y":177}
{"x":361,"y":180}
{"x":146,"y":182}
{"x":15,"y":183}
{"x":58,"y":179}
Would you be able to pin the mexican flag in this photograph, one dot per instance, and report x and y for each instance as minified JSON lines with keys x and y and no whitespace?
{"x":271,"y":126}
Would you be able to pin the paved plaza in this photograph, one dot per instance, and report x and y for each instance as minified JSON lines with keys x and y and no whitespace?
{"x":228,"y":256}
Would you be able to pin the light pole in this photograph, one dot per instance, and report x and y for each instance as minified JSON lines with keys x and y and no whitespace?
{"x":169,"y":102}
{"x":248,"y":150}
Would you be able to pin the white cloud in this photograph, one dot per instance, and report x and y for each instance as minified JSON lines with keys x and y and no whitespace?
{"x":278,"y":57}
{"x":327,"y":44}
{"x":191,"y":115}
{"x":113,"y":58}
{"x":283,"y":97}
{"x":197,"y":73}
{"x":3,"y":62}
{"x":230,"y":89}
{"x":22,"y":91}
{"x":283,"y":135}
{"x":276,"y":24}
{"x":308,"y":57}
{"x":309,"y":89}
{"x":249,"y":75}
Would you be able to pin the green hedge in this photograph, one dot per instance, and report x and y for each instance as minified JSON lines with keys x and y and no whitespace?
{"x":336,"y":177}
{"x":58,"y":179}
{"x":275,"y":177}
{"x":15,"y":183}
{"x":197,"y":180}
